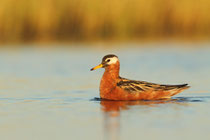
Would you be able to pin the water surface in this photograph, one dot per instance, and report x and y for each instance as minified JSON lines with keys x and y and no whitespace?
{"x":51,"y":94}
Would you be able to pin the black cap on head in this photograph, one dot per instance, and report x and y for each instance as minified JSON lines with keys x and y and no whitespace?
{"x":108,"y":56}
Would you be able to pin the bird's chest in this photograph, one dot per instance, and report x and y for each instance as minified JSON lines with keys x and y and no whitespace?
{"x":107,"y":85}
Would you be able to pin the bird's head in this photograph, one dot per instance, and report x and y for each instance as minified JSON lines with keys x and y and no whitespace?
{"x":108,"y":60}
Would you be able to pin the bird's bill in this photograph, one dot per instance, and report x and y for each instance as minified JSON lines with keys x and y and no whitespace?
{"x":97,"y":67}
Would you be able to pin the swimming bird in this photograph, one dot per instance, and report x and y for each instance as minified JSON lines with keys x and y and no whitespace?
{"x":114,"y":87}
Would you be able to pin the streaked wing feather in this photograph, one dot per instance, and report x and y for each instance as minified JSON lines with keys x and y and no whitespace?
{"x":140,"y":86}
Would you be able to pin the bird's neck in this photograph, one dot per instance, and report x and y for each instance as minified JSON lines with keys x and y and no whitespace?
{"x":112,"y":71}
{"x":109,"y":80}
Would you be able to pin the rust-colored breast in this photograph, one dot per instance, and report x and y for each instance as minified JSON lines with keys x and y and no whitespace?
{"x":109,"y":89}
{"x":113,"y":87}
{"x":120,"y":94}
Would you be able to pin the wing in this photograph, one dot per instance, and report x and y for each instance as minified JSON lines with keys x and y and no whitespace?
{"x":141,"y":86}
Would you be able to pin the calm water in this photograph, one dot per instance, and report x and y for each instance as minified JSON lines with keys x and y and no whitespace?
{"x":51,"y":94}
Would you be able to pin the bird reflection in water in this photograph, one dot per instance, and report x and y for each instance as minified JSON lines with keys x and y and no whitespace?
{"x":112,"y":109}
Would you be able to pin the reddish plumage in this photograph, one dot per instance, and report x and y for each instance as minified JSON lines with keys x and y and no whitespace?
{"x":113,"y":87}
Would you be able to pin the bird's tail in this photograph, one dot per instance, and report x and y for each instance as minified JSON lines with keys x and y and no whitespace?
{"x":179,"y":88}
{"x":182,"y":87}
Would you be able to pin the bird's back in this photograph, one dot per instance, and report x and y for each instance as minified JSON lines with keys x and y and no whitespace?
{"x":149,"y":90}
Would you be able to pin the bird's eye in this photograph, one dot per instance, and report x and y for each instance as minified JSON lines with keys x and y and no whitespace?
{"x":108,"y":60}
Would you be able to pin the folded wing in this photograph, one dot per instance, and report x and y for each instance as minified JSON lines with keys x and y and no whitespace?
{"x":133,"y":86}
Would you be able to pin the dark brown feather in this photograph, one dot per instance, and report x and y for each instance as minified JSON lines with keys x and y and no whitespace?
{"x":140,"y":86}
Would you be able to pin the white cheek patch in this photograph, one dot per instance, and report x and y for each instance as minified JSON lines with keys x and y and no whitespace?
{"x":112,"y":60}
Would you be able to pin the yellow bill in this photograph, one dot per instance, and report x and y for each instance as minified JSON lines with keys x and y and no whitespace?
{"x":97,"y":67}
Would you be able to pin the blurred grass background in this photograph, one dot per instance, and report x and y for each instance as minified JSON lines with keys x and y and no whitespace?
{"x":83,"y":20}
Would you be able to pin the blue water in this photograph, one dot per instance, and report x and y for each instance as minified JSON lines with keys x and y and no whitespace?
{"x":50,"y":93}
